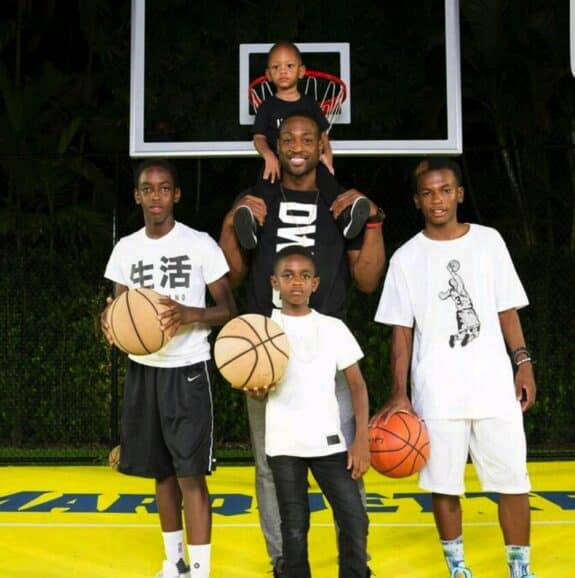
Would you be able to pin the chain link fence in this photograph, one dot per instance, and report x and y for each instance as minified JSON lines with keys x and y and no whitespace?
{"x":61,"y":385}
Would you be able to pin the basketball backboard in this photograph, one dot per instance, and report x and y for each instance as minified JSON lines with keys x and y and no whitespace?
{"x":192,"y":63}
{"x":572,"y":34}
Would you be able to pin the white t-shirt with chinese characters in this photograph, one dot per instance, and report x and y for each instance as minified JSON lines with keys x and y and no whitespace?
{"x":302,"y":413}
{"x":451,"y":292}
{"x":179,"y":265}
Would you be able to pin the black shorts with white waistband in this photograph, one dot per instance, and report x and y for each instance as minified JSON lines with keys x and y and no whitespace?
{"x":167,"y":421}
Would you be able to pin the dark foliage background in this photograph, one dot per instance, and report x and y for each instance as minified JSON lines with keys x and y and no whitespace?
{"x":65,"y":186}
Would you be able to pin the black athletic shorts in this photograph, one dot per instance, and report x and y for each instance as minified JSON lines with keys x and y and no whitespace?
{"x":167,"y":421}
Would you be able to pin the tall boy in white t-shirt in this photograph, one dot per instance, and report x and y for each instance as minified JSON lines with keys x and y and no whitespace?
{"x":167,"y":413}
{"x":303,"y":430}
{"x":452,"y":295}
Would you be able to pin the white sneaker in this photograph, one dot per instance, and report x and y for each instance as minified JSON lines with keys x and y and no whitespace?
{"x":461,"y":572}
{"x":171,"y":570}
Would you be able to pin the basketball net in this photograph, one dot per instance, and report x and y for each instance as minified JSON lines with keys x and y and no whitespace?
{"x":328,"y":91}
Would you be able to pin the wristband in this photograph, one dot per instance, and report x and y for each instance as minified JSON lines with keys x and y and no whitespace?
{"x":377,"y":218}
{"x":373,"y":225}
{"x":521,"y":351}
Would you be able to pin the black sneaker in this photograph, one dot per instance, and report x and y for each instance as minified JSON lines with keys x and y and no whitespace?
{"x":278,"y":570}
{"x":353,"y":218}
{"x":246,"y":227}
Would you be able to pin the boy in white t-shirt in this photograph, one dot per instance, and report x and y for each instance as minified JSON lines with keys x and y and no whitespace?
{"x":451,"y":295}
{"x":167,"y":413}
{"x":303,"y":430}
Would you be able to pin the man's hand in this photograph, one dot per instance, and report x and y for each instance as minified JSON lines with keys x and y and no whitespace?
{"x":347,"y":198}
{"x":258,"y":207}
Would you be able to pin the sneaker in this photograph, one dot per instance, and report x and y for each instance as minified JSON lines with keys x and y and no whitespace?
{"x":278,"y":570}
{"x":171,"y":570}
{"x":461,"y":572}
{"x":353,"y":218}
{"x":246,"y":227}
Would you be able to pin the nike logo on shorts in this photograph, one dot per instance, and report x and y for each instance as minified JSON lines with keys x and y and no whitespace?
{"x":190,"y":379}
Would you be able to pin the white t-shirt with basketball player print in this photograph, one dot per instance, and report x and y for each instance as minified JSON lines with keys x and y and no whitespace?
{"x":179,"y":265}
{"x":302,"y":413}
{"x":451,"y":293}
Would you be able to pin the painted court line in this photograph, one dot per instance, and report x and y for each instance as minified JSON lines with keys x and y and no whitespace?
{"x":233,"y":526}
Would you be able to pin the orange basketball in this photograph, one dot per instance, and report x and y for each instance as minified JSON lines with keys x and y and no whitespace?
{"x":251,"y":352}
{"x":114,"y":458}
{"x":134,"y":324}
{"x":400,"y":447}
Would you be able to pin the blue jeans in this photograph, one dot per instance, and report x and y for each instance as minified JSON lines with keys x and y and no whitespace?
{"x":342,"y":493}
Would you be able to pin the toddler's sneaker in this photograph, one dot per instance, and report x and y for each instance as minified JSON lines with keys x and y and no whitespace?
{"x":171,"y":570}
{"x":353,"y":218}
{"x":246,"y":227}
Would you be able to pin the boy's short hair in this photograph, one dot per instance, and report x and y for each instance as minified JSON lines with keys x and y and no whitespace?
{"x":301,"y":114}
{"x":435,"y":164}
{"x":291,"y":250}
{"x":158,"y":162}
{"x":285,"y":44}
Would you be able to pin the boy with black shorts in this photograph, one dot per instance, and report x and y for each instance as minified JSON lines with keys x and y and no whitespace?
{"x":284,"y":70}
{"x":167,"y":418}
{"x":303,"y":429}
{"x":451,"y":295}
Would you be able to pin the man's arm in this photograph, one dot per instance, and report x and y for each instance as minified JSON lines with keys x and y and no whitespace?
{"x":401,"y":347}
{"x":368,"y":263}
{"x":233,"y":252}
{"x":358,"y":453}
{"x":525,"y":387}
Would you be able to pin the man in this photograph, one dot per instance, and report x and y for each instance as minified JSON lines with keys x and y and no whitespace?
{"x":295,"y":212}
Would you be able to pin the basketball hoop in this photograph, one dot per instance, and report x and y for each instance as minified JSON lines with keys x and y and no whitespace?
{"x":328,"y":91}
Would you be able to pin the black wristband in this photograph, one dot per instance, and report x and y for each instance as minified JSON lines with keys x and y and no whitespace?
{"x":377,"y":218}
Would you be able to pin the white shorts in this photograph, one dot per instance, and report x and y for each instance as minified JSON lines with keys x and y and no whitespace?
{"x":497,"y":448}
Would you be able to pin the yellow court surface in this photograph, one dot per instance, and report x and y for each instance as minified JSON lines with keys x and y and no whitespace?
{"x":92,"y":522}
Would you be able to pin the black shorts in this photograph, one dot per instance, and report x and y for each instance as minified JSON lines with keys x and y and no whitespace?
{"x":167,"y":421}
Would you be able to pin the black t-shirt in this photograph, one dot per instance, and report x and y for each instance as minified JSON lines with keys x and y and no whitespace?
{"x":273,"y":110}
{"x":304,"y":220}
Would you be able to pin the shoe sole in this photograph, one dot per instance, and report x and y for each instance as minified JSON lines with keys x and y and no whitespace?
{"x":359,"y":215}
{"x":244,"y":227}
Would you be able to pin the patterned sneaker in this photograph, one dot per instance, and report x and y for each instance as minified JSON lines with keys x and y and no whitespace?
{"x":246,"y":227}
{"x":519,"y":569}
{"x":353,"y":218}
{"x":171,"y":570}
{"x":461,"y":572}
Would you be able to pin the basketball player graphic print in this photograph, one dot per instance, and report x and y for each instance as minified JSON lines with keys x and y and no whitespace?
{"x":468,"y":324}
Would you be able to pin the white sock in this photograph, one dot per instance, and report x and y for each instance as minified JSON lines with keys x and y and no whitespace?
{"x":518,"y":560}
{"x":200,"y":556}
{"x":174,"y":546}
{"x":453,"y":552}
